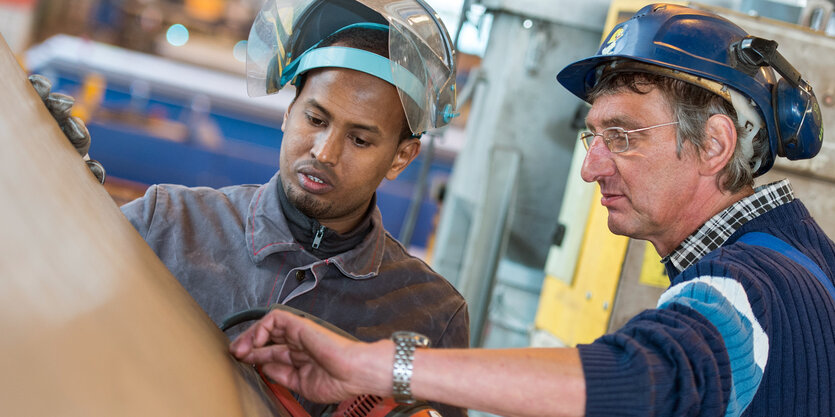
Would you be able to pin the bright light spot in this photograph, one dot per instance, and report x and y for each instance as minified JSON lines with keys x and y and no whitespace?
{"x":239,"y":51}
{"x":177,"y":35}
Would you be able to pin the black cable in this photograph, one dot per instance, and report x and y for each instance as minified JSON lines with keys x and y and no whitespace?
{"x":257,"y":313}
{"x":243,"y":316}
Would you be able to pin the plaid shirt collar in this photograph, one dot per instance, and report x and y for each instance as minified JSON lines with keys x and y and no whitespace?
{"x":720,"y":227}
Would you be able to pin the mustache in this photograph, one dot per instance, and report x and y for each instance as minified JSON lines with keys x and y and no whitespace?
{"x":315,"y":165}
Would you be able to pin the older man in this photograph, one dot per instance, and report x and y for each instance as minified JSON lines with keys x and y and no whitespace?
{"x":685,"y":113}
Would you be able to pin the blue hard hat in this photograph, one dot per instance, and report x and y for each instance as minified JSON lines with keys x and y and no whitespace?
{"x":695,"y":45}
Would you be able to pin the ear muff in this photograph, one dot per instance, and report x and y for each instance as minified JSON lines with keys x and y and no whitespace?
{"x":796,"y":111}
{"x":799,"y":121}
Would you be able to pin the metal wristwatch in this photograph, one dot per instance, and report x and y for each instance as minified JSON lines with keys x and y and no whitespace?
{"x":405,"y":344}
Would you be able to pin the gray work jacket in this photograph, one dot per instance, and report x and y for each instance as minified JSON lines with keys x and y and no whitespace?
{"x":232,"y":250}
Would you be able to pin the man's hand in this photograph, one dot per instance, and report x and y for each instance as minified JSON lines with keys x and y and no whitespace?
{"x":59,"y":106}
{"x":311,"y":360}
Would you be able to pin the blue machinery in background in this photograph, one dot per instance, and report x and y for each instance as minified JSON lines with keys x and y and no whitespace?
{"x":157,"y":121}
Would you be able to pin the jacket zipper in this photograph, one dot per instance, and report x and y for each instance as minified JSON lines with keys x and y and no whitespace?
{"x":318,"y":239}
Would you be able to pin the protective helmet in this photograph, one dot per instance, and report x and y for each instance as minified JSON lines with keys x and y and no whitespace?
{"x":284,"y":43}
{"x":707,"y":50}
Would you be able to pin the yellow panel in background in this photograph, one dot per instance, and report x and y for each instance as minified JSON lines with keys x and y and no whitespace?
{"x":652,"y":271}
{"x":574,"y":214}
{"x":579,"y":313}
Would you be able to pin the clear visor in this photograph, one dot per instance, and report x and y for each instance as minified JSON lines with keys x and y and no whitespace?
{"x":418,"y":43}
{"x":267,"y":49}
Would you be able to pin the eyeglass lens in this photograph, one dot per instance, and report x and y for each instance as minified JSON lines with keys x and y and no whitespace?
{"x":614,"y":137}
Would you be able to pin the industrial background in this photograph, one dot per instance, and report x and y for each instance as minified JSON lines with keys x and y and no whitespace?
{"x":494,"y":203}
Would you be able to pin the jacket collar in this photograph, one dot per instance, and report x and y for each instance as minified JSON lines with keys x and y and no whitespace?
{"x":267,"y":232}
{"x":318,"y":239}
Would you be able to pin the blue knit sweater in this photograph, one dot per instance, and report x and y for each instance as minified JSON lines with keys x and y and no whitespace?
{"x":744,"y":331}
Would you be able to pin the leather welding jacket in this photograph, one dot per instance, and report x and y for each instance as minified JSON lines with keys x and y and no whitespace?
{"x":233,"y":250}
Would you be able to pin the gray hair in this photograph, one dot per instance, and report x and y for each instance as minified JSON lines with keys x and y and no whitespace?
{"x":691,"y":106}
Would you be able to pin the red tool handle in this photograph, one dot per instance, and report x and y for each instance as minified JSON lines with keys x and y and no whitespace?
{"x":285,"y":397}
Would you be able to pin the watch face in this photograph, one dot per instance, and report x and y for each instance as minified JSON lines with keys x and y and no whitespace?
{"x":415,"y":339}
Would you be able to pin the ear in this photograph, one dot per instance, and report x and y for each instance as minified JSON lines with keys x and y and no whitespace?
{"x":407,"y":151}
{"x":286,"y":115}
{"x":719,"y":146}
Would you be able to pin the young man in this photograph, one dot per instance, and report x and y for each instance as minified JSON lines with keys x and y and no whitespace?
{"x":685,"y":113}
{"x":312,"y":238}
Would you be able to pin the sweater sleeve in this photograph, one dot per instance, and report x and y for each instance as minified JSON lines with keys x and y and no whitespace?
{"x":701,"y":352}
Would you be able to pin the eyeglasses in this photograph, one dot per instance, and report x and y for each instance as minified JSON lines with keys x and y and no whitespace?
{"x":616,"y":138}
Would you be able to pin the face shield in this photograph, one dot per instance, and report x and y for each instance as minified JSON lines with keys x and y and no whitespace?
{"x":283,"y":43}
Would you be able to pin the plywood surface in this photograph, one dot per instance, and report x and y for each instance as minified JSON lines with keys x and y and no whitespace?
{"x":91,"y":323}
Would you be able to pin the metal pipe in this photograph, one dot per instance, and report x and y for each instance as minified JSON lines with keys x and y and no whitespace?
{"x":408,"y":227}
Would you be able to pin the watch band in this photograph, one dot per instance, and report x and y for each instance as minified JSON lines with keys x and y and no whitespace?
{"x":405,"y":344}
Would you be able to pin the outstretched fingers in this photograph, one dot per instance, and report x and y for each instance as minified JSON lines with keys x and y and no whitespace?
{"x":300,"y":354}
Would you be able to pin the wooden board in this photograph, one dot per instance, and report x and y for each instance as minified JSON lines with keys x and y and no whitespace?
{"x":91,"y":322}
